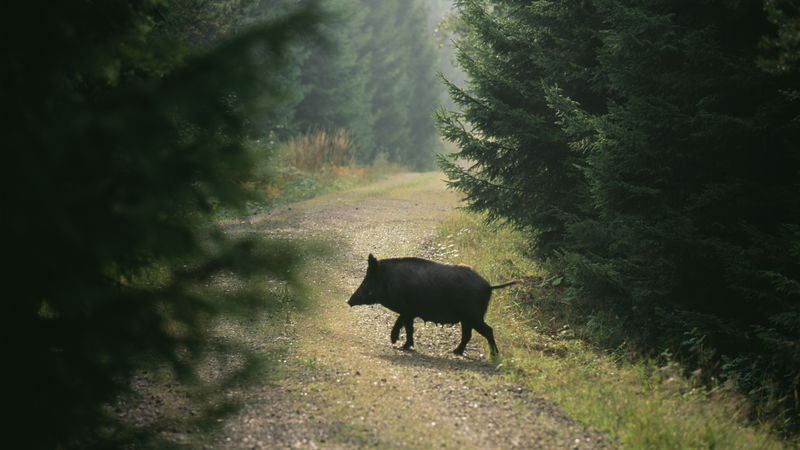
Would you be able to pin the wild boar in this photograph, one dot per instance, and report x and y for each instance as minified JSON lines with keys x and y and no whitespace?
{"x":434,"y":292}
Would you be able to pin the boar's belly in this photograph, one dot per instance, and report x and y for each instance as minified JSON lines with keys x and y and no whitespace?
{"x":442,"y":318}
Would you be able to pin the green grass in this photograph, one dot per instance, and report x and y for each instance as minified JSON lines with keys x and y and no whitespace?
{"x":277,"y":179}
{"x":638,"y":403}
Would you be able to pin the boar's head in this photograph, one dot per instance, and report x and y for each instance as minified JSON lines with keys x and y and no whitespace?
{"x":371,"y":290}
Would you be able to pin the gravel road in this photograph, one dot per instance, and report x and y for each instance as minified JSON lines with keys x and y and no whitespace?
{"x":344,"y":385}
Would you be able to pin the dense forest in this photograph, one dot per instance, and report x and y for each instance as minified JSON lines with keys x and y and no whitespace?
{"x":128,"y":122}
{"x":375,"y":77}
{"x":645,"y":149}
{"x":371,"y":71}
{"x":649,"y":151}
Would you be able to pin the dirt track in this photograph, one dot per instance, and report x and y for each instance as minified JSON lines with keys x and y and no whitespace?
{"x":346,"y":386}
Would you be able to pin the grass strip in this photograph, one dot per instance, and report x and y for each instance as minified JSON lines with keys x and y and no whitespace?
{"x":639,"y":403}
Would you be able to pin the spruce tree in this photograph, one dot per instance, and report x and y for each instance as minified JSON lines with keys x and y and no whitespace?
{"x":389,"y":83}
{"x":522,"y":167}
{"x":373,"y":76}
{"x":334,"y":77}
{"x":649,"y":148}
{"x":695,"y":178}
{"x":425,"y":93}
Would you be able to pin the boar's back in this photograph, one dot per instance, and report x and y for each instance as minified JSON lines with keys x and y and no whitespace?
{"x":435,"y":292}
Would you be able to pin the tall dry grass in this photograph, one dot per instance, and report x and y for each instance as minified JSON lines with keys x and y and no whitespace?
{"x":318,"y":148}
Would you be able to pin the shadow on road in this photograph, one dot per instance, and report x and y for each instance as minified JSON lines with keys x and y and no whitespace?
{"x":413,"y":358}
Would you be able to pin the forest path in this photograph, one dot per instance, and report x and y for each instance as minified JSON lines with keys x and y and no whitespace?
{"x":344,"y":385}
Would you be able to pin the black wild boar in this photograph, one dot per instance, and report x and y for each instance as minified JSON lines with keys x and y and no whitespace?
{"x":434,"y":292}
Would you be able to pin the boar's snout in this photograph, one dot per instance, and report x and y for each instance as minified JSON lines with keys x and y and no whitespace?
{"x":365,"y":294}
{"x":354,"y":299}
{"x":358,"y":298}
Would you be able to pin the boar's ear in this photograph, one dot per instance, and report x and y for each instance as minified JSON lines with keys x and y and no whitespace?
{"x":372,"y":262}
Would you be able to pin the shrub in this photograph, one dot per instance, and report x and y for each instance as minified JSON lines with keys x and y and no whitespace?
{"x":318,"y":148}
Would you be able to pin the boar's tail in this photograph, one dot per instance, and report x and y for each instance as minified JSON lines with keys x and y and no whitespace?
{"x":502,"y":285}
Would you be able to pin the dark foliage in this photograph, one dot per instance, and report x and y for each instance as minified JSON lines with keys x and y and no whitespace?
{"x":650,"y":148}
{"x":524,"y":169}
{"x":118,"y":142}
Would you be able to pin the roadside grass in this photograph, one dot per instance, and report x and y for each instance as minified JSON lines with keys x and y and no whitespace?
{"x":641,"y":404}
{"x":305,"y":167}
{"x":290,"y":184}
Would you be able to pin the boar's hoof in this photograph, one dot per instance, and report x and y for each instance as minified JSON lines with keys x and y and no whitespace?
{"x":459,"y":351}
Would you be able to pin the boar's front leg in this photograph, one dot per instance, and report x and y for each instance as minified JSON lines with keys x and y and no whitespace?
{"x":395,"y":335}
{"x":408,"y":321}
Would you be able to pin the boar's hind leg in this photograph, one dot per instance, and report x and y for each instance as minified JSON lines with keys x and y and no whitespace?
{"x":488,"y":333}
{"x":466,"y":334}
{"x":408,"y":321}
{"x":396,"y":329}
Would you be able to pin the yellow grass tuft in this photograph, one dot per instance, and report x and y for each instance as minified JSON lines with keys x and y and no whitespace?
{"x":316,"y":149}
